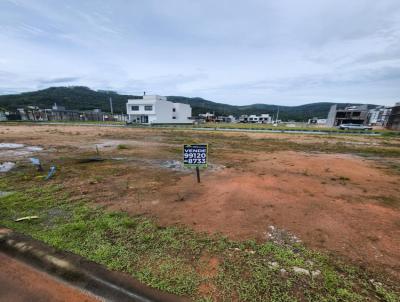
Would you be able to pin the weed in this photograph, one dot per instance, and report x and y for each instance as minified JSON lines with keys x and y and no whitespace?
{"x":122,"y":147}
{"x":389,"y":201}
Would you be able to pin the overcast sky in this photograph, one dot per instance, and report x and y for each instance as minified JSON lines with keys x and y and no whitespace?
{"x":285,"y":52}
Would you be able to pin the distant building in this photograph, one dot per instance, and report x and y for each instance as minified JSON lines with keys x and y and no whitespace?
{"x":57,"y":107}
{"x":317,"y":121}
{"x":207,"y":117}
{"x":155,"y":109}
{"x":225,"y":119}
{"x":3,"y":116}
{"x":253,"y":118}
{"x":348,"y":115}
{"x":59,"y":113}
{"x":379,"y":116}
{"x":394,"y":118}
{"x":263,"y":118}
{"x":244,"y":118}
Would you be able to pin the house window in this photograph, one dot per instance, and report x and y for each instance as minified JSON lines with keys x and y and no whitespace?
{"x":173,"y":110}
{"x":174,"y":117}
{"x":135,"y":108}
{"x":148,"y":107}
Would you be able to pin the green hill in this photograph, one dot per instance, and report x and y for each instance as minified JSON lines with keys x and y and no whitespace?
{"x":76,"y":97}
{"x":83,"y":98}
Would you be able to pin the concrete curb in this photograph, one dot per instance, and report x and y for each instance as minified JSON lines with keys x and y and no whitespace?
{"x":79,"y":272}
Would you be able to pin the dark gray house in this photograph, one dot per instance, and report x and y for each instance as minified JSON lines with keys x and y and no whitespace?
{"x":351,"y":114}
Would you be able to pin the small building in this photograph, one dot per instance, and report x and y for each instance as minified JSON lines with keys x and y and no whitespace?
{"x":394,"y":118}
{"x":225,"y":119}
{"x":263,"y":118}
{"x":317,"y":121}
{"x":3,"y":116}
{"x":253,"y":118}
{"x":207,"y":117}
{"x":155,"y":109}
{"x":348,"y":115}
{"x":244,"y":118}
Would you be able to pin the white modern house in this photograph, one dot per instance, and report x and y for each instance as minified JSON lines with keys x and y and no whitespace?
{"x":253,"y":118}
{"x":263,"y":118}
{"x":155,"y":109}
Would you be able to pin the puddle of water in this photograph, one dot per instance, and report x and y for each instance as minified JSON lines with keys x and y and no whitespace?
{"x":10,"y":150}
{"x":6,"y":166}
{"x":361,"y":143}
{"x":34,"y":148}
{"x":174,"y":165}
{"x":10,"y":146}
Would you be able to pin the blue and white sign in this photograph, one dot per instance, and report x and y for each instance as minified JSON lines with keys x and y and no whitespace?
{"x":195,"y":155}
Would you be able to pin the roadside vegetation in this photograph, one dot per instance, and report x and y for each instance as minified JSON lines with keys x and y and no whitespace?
{"x":287,"y":126}
{"x":243,"y":142}
{"x":256,"y":126}
{"x":232,"y":126}
{"x":181,"y":261}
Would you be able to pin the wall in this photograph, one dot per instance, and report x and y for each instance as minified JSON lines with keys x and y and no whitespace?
{"x":330,"y":121}
{"x":164,"y":112}
{"x":183,"y":113}
{"x":141,"y":104}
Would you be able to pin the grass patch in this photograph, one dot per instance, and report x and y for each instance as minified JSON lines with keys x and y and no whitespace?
{"x":389,"y":201}
{"x":391,"y":133}
{"x":222,"y":142}
{"x":172,"y":258}
{"x":122,"y":147}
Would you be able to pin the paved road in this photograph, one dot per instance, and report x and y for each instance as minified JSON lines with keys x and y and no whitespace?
{"x":20,"y":282}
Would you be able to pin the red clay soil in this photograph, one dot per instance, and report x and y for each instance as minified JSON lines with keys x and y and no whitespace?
{"x":331,"y":202}
{"x":22,"y":283}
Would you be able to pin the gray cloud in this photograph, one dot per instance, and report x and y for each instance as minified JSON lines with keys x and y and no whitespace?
{"x":60,"y":80}
{"x":238,"y":52}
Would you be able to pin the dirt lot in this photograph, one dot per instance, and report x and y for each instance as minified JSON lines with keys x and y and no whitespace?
{"x":339,"y":194}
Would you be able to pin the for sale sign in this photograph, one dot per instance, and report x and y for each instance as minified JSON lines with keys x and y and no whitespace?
{"x":195,"y":155}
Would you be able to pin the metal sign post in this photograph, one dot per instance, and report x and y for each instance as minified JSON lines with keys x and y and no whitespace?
{"x":198,"y":174}
{"x":195,"y":156}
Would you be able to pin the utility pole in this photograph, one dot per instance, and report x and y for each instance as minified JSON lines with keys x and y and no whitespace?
{"x":111,"y":106}
{"x":277,"y":116}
